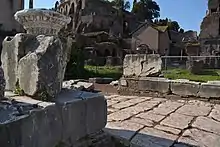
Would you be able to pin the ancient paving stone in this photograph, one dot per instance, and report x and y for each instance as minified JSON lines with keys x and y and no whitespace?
{"x":200,"y":103}
{"x":111,"y":96}
{"x":147,"y":105}
{"x":111,"y":102}
{"x":150,"y":115}
{"x":207,"y":124}
{"x":123,"y":114}
{"x":123,"y":130}
{"x":123,"y":98}
{"x":167,"y":107}
{"x":199,"y":138}
{"x":215,"y":114}
{"x":111,"y":110}
{"x":145,"y":122}
{"x":150,"y":137}
{"x":194,"y":110}
{"x":168,"y":129}
{"x":176,"y":120}
{"x":128,"y":103}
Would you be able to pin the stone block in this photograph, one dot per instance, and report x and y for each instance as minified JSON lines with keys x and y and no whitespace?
{"x":47,"y":56}
{"x":96,"y":111}
{"x":154,"y":84}
{"x":12,"y":52}
{"x":142,"y":65}
{"x":73,"y":116}
{"x":208,"y":90}
{"x":183,"y":87}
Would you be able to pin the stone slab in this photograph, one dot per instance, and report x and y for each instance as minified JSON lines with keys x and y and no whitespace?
{"x":215,"y":114}
{"x":167,"y":107}
{"x":194,"y":110}
{"x":178,"y":121}
{"x":150,"y":115}
{"x":154,"y":84}
{"x":195,"y":137}
{"x":150,"y":137}
{"x":208,"y":90}
{"x":168,"y":129}
{"x":184,"y":87}
{"x":123,"y":130}
{"x":207,"y":124}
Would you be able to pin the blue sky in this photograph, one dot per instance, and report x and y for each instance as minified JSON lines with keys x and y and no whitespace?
{"x":189,"y":13}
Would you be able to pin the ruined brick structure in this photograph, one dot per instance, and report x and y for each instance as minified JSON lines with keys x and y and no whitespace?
{"x":210,"y":30}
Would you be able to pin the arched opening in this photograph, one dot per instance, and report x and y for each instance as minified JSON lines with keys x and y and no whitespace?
{"x":107,"y":53}
{"x":114,"y":52}
{"x":80,"y":4}
{"x":72,"y":9}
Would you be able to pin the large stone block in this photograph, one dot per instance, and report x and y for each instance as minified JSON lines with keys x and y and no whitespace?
{"x":209,"y":90}
{"x":73,"y":116}
{"x":12,"y":51}
{"x":184,"y":87}
{"x":154,"y":84}
{"x":142,"y":65}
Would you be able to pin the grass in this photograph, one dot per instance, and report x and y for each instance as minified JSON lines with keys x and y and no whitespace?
{"x":114,"y":72}
{"x":204,"y":76}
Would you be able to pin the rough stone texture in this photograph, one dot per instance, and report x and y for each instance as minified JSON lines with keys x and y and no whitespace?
{"x":199,"y":138}
{"x":154,"y":84}
{"x":151,"y":116}
{"x":31,"y":58}
{"x":41,"y":21}
{"x":207,"y":124}
{"x":142,"y":65}
{"x":12,"y":52}
{"x":152,"y":137}
{"x":125,"y":129}
{"x":188,"y":121}
{"x":2,"y":83}
{"x":196,"y":66}
{"x":177,"y":121}
{"x":73,"y":116}
{"x":208,"y":90}
{"x":184,"y":87}
{"x":194,"y":110}
{"x":168,"y":129}
{"x":215,"y":114}
{"x":167,"y":107}
{"x":47,"y":56}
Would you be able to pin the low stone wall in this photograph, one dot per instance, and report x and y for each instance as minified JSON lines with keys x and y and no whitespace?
{"x":180,"y":87}
{"x":71,"y":119}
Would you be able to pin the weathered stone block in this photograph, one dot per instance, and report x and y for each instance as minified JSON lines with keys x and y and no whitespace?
{"x":209,"y":90}
{"x":142,"y":65}
{"x":154,"y":84}
{"x":42,"y":70}
{"x":184,"y":87}
{"x":72,"y":117}
{"x":12,"y":51}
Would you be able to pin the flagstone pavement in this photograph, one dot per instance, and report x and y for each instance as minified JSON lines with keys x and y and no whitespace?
{"x":160,"y":122}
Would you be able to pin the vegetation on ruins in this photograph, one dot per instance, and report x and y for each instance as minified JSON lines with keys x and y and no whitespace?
{"x":204,"y":76}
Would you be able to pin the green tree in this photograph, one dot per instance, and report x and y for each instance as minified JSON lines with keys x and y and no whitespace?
{"x":146,"y":9}
{"x":121,"y":4}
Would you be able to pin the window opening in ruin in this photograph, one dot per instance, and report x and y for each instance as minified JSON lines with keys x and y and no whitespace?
{"x":213,"y":10}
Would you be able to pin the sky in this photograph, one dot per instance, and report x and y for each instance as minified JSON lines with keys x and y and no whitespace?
{"x":188,"y":13}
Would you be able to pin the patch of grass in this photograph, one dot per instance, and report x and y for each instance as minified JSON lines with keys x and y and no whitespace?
{"x":114,"y":72}
{"x":204,"y":76}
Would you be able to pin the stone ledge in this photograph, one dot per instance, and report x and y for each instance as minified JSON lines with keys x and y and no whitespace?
{"x":180,"y":87}
{"x":72,"y":116}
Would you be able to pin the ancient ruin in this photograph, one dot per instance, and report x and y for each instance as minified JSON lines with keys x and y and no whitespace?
{"x":36,"y":111}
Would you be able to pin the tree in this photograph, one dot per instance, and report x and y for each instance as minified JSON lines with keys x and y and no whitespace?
{"x":172,"y":25}
{"x":121,"y":4}
{"x":146,"y":9}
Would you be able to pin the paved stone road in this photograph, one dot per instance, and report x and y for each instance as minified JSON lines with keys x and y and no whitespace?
{"x":159,"y":122}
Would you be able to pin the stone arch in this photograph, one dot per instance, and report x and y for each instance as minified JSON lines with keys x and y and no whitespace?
{"x":72,"y":9}
{"x":66,"y":9}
